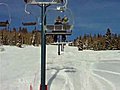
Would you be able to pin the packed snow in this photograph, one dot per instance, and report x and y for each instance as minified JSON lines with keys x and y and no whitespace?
{"x":72,"y":70}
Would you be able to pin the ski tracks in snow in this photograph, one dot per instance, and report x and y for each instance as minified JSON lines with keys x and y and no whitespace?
{"x":87,"y":74}
{"x":67,"y":85}
{"x":107,"y":81}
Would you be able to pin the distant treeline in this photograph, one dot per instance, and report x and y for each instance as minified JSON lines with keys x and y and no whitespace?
{"x":22,"y":36}
{"x":109,"y":41}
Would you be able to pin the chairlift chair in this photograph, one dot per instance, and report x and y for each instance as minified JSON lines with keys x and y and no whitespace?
{"x":5,"y":22}
{"x":29,"y":20}
{"x":58,"y":29}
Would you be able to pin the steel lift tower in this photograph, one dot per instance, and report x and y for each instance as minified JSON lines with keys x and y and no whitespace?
{"x":44,"y":4}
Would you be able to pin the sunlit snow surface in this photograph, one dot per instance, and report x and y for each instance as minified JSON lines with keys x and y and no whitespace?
{"x":72,"y":70}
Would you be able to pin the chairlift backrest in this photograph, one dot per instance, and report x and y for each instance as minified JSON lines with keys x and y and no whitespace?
{"x":59,"y":27}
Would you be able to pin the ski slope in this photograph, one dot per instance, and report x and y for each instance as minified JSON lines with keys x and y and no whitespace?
{"x":72,"y":70}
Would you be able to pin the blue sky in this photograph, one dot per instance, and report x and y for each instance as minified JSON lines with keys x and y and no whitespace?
{"x":91,"y":16}
{"x":95,"y":16}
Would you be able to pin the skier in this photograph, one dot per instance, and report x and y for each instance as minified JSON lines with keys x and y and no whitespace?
{"x":33,"y":40}
{"x":19,"y":41}
{"x":80,"y":45}
{"x":58,"y":21}
{"x":65,"y":20}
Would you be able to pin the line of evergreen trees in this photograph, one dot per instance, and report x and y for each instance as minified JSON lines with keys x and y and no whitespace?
{"x":22,"y":36}
{"x":109,"y":41}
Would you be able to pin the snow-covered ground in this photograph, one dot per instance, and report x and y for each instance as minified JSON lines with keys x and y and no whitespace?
{"x":72,"y":70}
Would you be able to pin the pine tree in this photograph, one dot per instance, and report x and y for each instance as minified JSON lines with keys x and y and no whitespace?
{"x":108,"y":39}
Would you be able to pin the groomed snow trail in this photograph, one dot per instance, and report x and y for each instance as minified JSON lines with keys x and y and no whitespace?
{"x":85,"y":67}
{"x":72,"y":70}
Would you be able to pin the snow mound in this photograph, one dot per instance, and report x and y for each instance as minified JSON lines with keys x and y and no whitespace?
{"x":1,"y":48}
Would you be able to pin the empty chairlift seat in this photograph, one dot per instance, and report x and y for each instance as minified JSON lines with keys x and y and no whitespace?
{"x":4,"y":20}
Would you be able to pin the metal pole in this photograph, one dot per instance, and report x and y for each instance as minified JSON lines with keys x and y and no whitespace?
{"x":58,"y":44}
{"x":43,"y":48}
